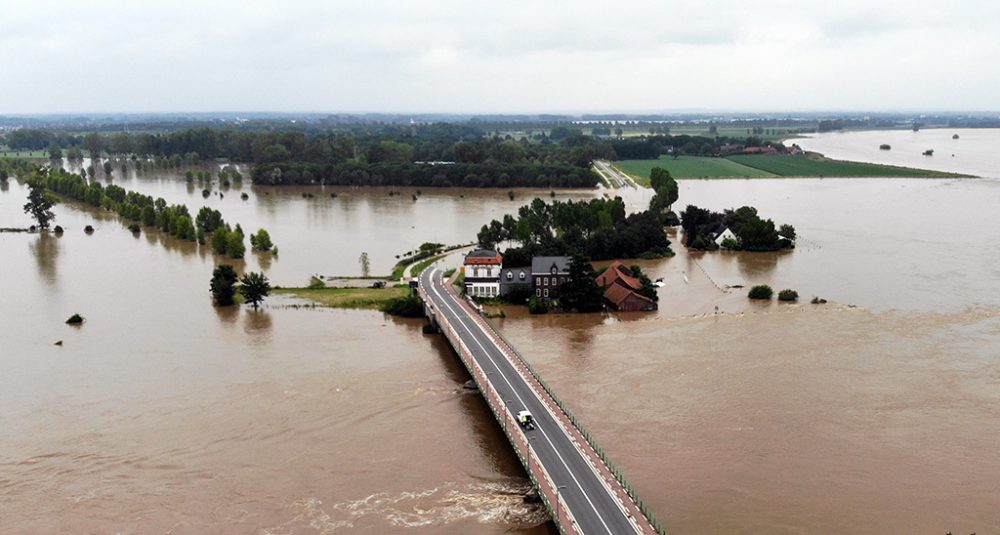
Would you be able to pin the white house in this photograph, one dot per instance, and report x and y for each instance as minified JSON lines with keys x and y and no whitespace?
{"x":724,"y":235}
{"x":482,"y":273}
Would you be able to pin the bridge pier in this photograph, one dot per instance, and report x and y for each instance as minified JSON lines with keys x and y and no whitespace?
{"x":432,"y":325}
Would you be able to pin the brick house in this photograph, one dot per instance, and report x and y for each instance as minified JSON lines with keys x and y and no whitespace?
{"x":548,"y":273}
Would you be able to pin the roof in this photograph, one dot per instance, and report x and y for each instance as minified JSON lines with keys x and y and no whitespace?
{"x":516,"y":279}
{"x":483,"y":256}
{"x":617,"y":294}
{"x":618,"y":273}
{"x":541,"y":265}
{"x":726,"y":233}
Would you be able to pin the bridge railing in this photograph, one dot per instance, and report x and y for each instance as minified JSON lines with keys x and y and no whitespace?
{"x":548,"y":491}
{"x":591,"y":441}
{"x":605,"y":458}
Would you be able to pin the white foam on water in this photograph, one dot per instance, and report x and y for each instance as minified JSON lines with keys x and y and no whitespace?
{"x":491,"y":502}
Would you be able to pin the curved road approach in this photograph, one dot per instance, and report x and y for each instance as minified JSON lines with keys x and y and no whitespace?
{"x":581,"y":491}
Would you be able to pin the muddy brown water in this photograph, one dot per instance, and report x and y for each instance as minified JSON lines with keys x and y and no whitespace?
{"x":162,"y":414}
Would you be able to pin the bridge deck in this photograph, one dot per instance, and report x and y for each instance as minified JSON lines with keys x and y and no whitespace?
{"x":580,"y":489}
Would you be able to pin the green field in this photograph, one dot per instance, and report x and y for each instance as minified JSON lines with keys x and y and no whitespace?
{"x":814,"y":165}
{"x":769,"y":166}
{"x":690,"y":167}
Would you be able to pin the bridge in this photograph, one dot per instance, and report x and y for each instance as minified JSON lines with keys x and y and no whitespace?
{"x":582,"y":489}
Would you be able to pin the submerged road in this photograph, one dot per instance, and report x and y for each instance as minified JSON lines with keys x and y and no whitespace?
{"x":580,"y":482}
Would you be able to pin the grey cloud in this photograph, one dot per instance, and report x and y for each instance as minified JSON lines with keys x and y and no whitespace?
{"x":449,"y":55}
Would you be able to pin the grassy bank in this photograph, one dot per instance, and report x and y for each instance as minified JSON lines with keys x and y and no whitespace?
{"x":419,"y":267}
{"x":373,"y":298}
{"x":770,"y":166}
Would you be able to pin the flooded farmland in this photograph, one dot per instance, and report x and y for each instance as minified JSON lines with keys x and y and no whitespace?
{"x":161,"y":414}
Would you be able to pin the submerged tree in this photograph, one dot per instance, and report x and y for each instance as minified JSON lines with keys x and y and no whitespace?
{"x":665,"y":189}
{"x":223,"y":285}
{"x":40,"y":203}
{"x":234,"y":245}
{"x":254,"y":287}
{"x":365,"y":264}
{"x":261,"y":241}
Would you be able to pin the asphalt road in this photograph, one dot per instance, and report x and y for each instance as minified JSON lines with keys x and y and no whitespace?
{"x":586,"y":495}
{"x":618,"y":179}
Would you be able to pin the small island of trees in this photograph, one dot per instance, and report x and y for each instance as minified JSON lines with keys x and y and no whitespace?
{"x":703,"y":227}
{"x":597,"y":229}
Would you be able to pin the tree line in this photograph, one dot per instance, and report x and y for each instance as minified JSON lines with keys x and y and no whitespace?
{"x":388,"y":155}
{"x":472,"y":175}
{"x":176,"y":220}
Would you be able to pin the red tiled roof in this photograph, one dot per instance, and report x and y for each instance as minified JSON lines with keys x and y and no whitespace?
{"x":617,"y":294}
{"x":617,"y":272}
{"x":481,"y":257}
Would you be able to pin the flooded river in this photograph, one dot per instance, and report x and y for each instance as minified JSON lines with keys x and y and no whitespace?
{"x":162,"y":414}
{"x":973,"y":152}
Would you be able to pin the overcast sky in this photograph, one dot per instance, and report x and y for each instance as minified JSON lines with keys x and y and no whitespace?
{"x":510,"y":56}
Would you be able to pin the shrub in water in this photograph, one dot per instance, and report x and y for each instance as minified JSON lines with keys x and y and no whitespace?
{"x":538,"y":306}
{"x":410,"y":306}
{"x":788,"y":295}
{"x":761,"y":291}
{"x":135,"y":228}
{"x":818,"y":301}
{"x":75,"y":319}
{"x":88,"y":229}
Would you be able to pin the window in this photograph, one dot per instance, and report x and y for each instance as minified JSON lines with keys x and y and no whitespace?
{"x":520,"y":275}
{"x":538,"y":292}
{"x":546,"y":292}
{"x":545,"y":281}
{"x":554,"y":270}
{"x":510,"y":276}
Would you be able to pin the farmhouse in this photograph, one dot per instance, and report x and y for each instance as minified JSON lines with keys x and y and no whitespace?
{"x":621,"y":289}
{"x":726,"y":234}
{"x":760,"y":150}
{"x":482,"y":273}
{"x":548,"y":273}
